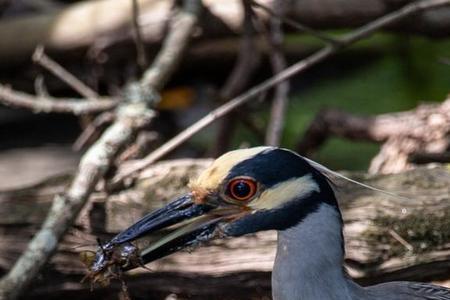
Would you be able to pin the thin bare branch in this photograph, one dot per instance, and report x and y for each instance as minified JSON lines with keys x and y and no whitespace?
{"x":294,"y":69}
{"x":40,"y":88}
{"x":407,"y":137}
{"x":294,"y":24}
{"x":391,"y":18}
{"x":144,"y":141}
{"x":137,"y":36}
{"x":430,"y":157}
{"x":247,"y":62}
{"x":56,"y":69}
{"x":99,"y":123}
{"x":169,"y":57}
{"x":93,"y":27}
{"x":401,"y":240}
{"x":280,"y":102}
{"x":66,"y":207}
{"x":131,"y":117}
{"x":18,"y":99}
{"x":247,"y":59}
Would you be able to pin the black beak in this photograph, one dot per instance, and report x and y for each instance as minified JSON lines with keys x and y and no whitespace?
{"x":190,"y":224}
{"x":175,"y":212}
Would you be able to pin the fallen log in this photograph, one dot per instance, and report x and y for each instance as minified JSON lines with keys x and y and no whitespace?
{"x":405,"y":136}
{"x":93,"y":25}
{"x":386,"y":238}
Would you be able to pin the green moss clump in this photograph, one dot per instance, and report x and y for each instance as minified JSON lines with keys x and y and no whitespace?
{"x":424,"y":232}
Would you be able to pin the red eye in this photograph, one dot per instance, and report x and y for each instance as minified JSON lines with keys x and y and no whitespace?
{"x":241,"y":189}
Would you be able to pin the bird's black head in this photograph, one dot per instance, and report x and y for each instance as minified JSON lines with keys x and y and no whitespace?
{"x":243,"y":191}
{"x":289,"y":189}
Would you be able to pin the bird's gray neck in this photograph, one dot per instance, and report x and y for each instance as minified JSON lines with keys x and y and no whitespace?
{"x":309,"y":260}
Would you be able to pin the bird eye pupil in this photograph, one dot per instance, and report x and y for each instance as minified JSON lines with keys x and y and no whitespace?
{"x":241,"y":189}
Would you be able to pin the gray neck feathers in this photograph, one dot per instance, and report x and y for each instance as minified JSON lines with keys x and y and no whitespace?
{"x":309,"y":260}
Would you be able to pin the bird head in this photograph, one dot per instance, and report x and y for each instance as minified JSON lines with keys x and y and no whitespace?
{"x":243,"y":191}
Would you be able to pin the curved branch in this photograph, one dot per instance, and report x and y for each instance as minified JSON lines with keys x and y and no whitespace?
{"x":56,"y":69}
{"x":18,"y":99}
{"x":284,"y":75}
{"x":247,"y":62}
{"x":131,"y":116}
{"x":333,"y":122}
{"x":280,"y":100}
{"x":407,"y":137}
{"x":99,"y":21}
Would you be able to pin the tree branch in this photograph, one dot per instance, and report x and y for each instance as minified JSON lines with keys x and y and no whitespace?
{"x":280,"y":101}
{"x":66,"y":207}
{"x":137,"y":36}
{"x":169,"y":57}
{"x":56,"y":69}
{"x":247,"y":61}
{"x":294,"y":69}
{"x":415,"y":136}
{"x":131,"y":116}
{"x":296,"y":25}
{"x":335,"y":122}
{"x":18,"y":99}
{"x":98,"y":124}
{"x":102,"y":20}
{"x":373,"y":254}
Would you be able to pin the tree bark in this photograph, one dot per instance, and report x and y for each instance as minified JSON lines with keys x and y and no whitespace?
{"x":386,"y":238}
{"x":424,"y":129}
{"x":101,"y":23}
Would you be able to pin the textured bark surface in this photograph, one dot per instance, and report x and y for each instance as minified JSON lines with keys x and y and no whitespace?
{"x":103,"y":23}
{"x":405,"y":136}
{"x":386,"y":238}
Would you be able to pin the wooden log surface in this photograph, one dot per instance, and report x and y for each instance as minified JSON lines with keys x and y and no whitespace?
{"x":98,"y":24}
{"x":405,"y":136}
{"x":386,"y":238}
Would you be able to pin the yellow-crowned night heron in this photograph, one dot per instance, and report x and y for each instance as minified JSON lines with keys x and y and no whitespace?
{"x":264,"y":188}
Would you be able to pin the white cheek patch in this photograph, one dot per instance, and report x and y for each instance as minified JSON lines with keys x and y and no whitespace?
{"x":284,"y":192}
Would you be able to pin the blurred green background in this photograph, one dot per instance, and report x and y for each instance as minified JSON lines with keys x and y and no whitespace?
{"x":382,"y":74}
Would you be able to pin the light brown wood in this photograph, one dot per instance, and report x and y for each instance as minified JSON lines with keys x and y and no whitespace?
{"x":98,"y":24}
{"x":403,"y":135}
{"x":374,"y":253}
